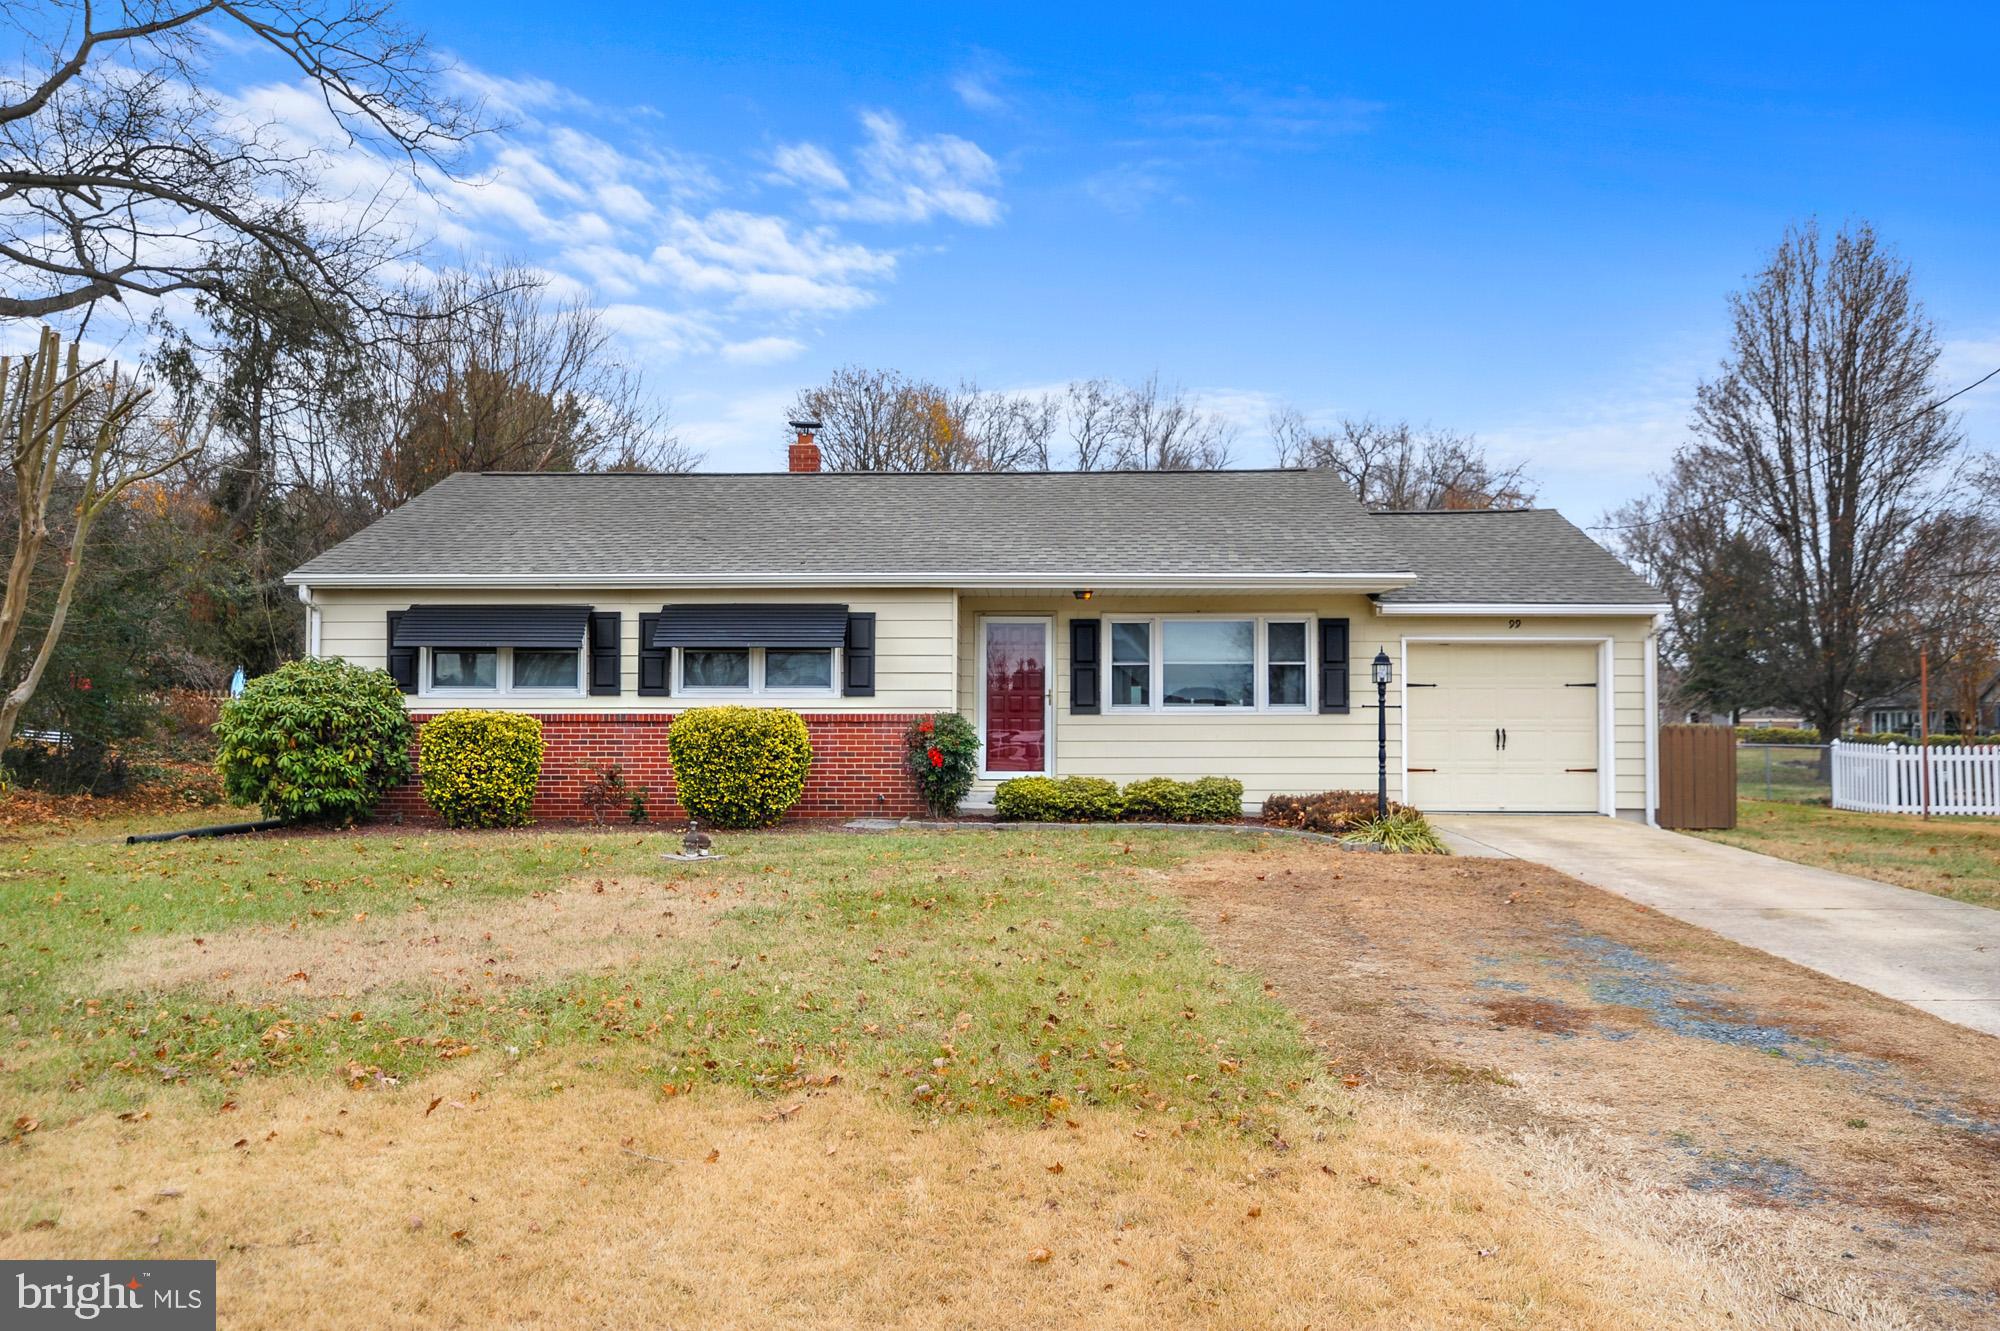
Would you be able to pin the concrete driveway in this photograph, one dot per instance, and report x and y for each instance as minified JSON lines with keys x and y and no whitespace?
{"x":1935,"y":954}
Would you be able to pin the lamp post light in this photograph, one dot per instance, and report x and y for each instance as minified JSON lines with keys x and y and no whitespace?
{"x":1382,"y":672}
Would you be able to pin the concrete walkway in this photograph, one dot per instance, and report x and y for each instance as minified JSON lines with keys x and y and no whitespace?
{"x":1936,"y":954}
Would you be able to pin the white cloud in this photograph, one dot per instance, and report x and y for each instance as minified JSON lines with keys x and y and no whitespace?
{"x":898,"y":178}
{"x":809,"y":165}
{"x":979,"y":91}
{"x":1129,"y":188}
{"x":762,"y":350}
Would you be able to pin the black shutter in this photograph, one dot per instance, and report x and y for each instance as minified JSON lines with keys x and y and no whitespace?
{"x":606,"y":629}
{"x":653,"y":661}
{"x":859,"y":657}
{"x":1084,"y":671}
{"x":402,"y":660}
{"x":1333,"y":665}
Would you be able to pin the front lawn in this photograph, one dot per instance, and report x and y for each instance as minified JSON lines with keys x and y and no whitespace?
{"x":416,"y":1078}
{"x":1952,"y":857}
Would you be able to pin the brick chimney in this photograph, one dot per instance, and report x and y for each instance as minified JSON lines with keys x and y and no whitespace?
{"x":804,"y":454}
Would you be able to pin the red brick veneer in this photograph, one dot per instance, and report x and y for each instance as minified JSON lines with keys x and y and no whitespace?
{"x":857,"y":766}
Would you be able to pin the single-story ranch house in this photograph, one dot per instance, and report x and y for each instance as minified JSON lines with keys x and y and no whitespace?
{"x":1114,"y":624}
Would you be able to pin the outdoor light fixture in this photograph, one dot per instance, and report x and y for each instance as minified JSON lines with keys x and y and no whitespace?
{"x":1382,"y":672}
{"x":1083,"y":594}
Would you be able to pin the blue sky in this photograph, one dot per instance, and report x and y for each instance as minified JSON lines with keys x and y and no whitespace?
{"x":1517,"y":224}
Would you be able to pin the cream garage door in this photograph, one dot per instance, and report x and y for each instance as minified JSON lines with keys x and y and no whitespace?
{"x":1503,"y":727}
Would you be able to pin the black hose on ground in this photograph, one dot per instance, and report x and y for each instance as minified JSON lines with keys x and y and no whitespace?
{"x":225,"y":829}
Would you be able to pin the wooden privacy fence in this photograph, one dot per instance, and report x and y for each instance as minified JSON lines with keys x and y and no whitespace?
{"x":1889,"y":778}
{"x":1697,"y":777}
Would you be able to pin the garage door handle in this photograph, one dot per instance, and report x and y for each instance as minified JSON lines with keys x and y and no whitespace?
{"x":1579,"y":769}
{"x":1420,"y":769}
{"x":1503,"y":738}
{"x":1496,"y":738}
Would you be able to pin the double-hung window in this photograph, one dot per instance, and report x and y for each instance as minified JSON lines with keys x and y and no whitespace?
{"x":1187,"y":663}
{"x":756,"y":670}
{"x":496,"y":650}
{"x":505,"y":670}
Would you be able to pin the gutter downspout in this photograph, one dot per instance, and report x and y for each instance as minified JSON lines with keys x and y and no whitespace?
{"x":1653,"y":724}
{"x":312,"y":621}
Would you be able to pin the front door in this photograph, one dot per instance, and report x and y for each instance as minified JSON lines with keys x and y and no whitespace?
{"x":1016,"y":654}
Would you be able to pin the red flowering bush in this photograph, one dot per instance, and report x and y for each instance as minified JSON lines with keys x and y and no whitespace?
{"x":941,"y":752}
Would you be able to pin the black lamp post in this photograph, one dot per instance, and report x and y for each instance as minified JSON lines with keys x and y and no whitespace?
{"x":1382,"y":674}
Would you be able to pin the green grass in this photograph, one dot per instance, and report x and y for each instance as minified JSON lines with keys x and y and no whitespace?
{"x":1795,"y":774}
{"x":1951,"y":857}
{"x":1016,"y":973}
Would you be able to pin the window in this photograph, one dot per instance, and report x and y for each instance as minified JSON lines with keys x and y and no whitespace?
{"x":465,"y":668}
{"x":524,"y":670}
{"x":1190,"y":663}
{"x":1131,"y":664}
{"x":1285,"y":663}
{"x":756,"y":669}
{"x":541,"y":668}
{"x":1208,"y":663}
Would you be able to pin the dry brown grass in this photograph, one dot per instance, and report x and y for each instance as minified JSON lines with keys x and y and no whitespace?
{"x":598,"y":1205}
{"x":1810,"y":1142}
{"x":590,"y":925}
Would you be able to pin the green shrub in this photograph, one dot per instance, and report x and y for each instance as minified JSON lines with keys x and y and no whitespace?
{"x":941,"y":752}
{"x":739,"y":766}
{"x":1159,"y":799}
{"x":480,"y":769}
{"x":1404,"y":831}
{"x":1776,"y":735}
{"x":314,"y":741}
{"x":1215,"y":799}
{"x":1042,"y":799}
{"x":1331,"y":811}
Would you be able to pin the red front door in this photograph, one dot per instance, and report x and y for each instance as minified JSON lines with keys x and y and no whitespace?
{"x":1017,"y":677}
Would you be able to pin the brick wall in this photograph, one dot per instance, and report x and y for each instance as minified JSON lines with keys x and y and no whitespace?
{"x":857,"y":765}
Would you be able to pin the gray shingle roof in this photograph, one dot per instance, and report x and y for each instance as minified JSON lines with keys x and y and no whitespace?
{"x":924,"y":527}
{"x":1524,"y":556}
{"x":945,"y":529}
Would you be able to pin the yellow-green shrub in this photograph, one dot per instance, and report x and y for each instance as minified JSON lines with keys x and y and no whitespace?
{"x":480,"y":769}
{"x":739,"y":766}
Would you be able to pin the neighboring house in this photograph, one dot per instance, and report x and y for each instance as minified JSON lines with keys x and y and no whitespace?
{"x":1899,"y":711}
{"x":1114,"y":624}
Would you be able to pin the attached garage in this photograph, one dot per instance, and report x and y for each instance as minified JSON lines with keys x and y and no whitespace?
{"x":1505,"y":726}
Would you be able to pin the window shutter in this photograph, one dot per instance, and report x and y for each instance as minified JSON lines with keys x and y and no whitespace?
{"x":1333,"y":665}
{"x":858,"y":657}
{"x":402,"y":661}
{"x":606,"y":630}
{"x":1084,"y":668}
{"x":653,"y":661}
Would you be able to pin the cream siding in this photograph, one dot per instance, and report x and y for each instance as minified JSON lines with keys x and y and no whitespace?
{"x":913,"y":642}
{"x":1291,"y":752}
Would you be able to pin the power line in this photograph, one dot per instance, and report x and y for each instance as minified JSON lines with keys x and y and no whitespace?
{"x":1719,"y":503}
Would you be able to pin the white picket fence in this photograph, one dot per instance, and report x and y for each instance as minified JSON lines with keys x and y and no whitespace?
{"x":1888,"y":778}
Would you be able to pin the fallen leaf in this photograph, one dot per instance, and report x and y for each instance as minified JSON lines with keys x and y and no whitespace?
{"x":712,"y":1157}
{"x":1255,"y":1211}
{"x":414,"y":1223}
{"x":1039,"y":1254}
{"x":433,"y":1105}
{"x":1055,"y":1168}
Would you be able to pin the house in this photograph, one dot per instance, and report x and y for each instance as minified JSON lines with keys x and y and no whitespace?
{"x":1894,"y":713}
{"x":1114,"y":624}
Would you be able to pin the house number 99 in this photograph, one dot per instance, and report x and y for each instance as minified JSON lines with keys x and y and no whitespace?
{"x":1513,"y":623}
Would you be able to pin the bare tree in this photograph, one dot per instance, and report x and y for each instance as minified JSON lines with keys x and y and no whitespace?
{"x":1164,"y":428}
{"x":1396,"y":466}
{"x":122,"y":172}
{"x":68,"y":426}
{"x":1092,"y":409}
{"x":486,"y":374}
{"x":1825,"y":439}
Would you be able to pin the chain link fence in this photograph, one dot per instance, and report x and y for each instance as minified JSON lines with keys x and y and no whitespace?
{"x":1795,"y":773}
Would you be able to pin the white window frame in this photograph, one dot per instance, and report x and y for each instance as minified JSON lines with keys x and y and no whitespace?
{"x":503,"y":676}
{"x":1156,"y":705}
{"x":756,"y":687}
